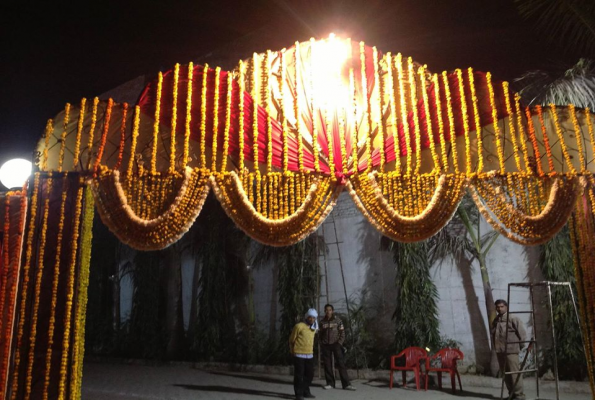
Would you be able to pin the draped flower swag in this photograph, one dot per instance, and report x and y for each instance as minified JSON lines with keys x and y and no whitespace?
{"x":318,"y":202}
{"x":391,"y":218}
{"x":164,"y":228}
{"x":505,"y":203}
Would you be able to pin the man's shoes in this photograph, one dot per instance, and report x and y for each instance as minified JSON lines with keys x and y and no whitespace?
{"x":309,"y":396}
{"x":327,"y":387}
{"x":349,"y":388}
{"x":518,"y":397}
{"x":299,"y":397}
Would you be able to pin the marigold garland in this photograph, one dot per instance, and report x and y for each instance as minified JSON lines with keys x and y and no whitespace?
{"x":145,"y":228}
{"x":80,"y":311}
{"x":156,"y":122}
{"x":424,"y":92}
{"x":79,"y":132}
{"x":74,"y":242}
{"x":174,"y":120}
{"x":108,"y":114}
{"x":413,"y":100}
{"x":188,"y":115}
{"x":546,"y":141}
{"x":63,"y":137}
{"x":26,"y":269}
{"x":55,"y":281}
{"x":499,"y":204}
{"x":315,"y":207}
{"x":562,"y":141}
{"x":391,"y":83}
{"x":476,"y":120}
{"x":122,"y":136}
{"x":92,"y":132}
{"x":451,"y":123}
{"x":465,"y":118}
{"x":407,"y":222}
{"x":36,"y":293}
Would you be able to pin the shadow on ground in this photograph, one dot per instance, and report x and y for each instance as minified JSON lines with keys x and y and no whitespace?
{"x":251,"y":377}
{"x":227,"y":389}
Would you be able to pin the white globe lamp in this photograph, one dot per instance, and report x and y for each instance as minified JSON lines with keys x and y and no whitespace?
{"x":14,"y":173}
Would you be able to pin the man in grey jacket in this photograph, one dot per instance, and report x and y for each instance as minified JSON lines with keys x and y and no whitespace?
{"x":508,"y":355}
{"x":332,"y":337}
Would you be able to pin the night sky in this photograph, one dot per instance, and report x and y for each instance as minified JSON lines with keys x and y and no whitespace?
{"x":56,"y":53}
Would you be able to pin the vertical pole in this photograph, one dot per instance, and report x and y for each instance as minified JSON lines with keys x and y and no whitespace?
{"x":549,"y":294}
{"x":535,"y":352}
{"x":578,"y":320}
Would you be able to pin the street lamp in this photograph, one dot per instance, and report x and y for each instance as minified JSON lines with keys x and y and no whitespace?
{"x":14,"y":173}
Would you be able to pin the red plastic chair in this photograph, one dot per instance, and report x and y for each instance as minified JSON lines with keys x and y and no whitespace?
{"x":414,"y":356}
{"x":448,"y":363}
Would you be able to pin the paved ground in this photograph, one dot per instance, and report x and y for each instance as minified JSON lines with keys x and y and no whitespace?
{"x":104,"y":381}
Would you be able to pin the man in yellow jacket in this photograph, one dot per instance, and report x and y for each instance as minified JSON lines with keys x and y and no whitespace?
{"x":301,"y":347}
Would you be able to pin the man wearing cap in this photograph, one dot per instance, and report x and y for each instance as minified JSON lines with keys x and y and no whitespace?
{"x":301,"y":347}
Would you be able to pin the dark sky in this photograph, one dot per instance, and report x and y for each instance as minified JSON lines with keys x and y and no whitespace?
{"x":52,"y":53}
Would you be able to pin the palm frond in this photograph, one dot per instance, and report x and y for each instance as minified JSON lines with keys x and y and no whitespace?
{"x":575,"y":85}
{"x":569,"y":22}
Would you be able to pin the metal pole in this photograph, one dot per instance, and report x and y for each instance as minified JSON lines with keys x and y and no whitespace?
{"x":505,"y":346}
{"x":535,"y":352}
{"x":549,"y":293}
{"x":578,"y":319}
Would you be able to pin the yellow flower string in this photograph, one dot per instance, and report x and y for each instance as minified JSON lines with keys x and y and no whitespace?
{"x":558,"y":129}
{"x":285,"y":130}
{"x":587,"y":115}
{"x":413,"y":99}
{"x":80,"y":311}
{"x":451,"y":123}
{"x":267,"y":102}
{"x":329,"y":138}
{"x":578,"y":134}
{"x":497,"y":133}
{"x":393,"y":113}
{"x":379,"y":101}
{"x":70,"y":291}
{"x":106,"y":122}
{"x":79,"y":132}
{"x":314,"y":111}
{"x":203,"y":117}
{"x":135,"y":128}
{"x":255,"y":102}
{"x":522,"y":132}
{"x":351,"y":117}
{"x":438,"y":105}
{"x":241,"y":121}
{"x":92,"y":132}
{"x":63,"y":137}
{"x":156,"y":123}
{"x":534,"y":143}
{"x":344,"y":157}
{"x":546,"y":140}
{"x":122,"y":136}
{"x":31,"y":233}
{"x":37,"y":292}
{"x":297,"y":105}
{"x":188,"y":114}
{"x":430,"y":131}
{"x":216,"y":118}
{"x":49,"y":129}
{"x":515,"y":147}
{"x":364,"y":77}
{"x":465,"y":118}
{"x":227,"y":122}
{"x":174,"y":120}
{"x":477,"y":123}
{"x":55,"y":281}
{"x":403,"y":102}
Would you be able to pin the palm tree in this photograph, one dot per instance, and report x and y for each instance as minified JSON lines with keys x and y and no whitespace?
{"x":568,"y":22}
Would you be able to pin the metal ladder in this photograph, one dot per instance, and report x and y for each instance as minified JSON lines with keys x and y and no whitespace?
{"x":533,"y":341}
{"x":336,"y":242}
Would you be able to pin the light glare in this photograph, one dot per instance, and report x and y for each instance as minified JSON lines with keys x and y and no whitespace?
{"x":14,"y":173}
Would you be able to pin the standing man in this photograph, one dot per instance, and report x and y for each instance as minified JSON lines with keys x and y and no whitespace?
{"x":508,"y":356}
{"x":332,"y":337}
{"x":301,"y":347}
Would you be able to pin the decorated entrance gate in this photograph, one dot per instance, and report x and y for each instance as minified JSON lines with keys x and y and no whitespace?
{"x":277,"y":140}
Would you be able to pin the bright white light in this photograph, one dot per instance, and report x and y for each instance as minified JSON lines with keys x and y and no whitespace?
{"x":330,"y":75}
{"x":14,"y":173}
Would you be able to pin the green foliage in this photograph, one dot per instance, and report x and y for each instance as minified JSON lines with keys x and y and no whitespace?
{"x":143,"y":333}
{"x":298,"y":284}
{"x":556,"y":264}
{"x":575,"y":85}
{"x":359,"y":340}
{"x":569,"y":22}
{"x":416,"y":314}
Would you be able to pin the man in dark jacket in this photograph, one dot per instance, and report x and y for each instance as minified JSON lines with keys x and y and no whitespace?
{"x":332,"y":337}
{"x":509,"y":326}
